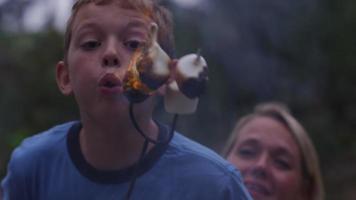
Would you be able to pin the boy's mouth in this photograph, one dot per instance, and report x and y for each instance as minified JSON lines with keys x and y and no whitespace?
{"x":110,"y":81}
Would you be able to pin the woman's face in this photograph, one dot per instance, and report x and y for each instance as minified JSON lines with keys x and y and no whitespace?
{"x":269,"y":160}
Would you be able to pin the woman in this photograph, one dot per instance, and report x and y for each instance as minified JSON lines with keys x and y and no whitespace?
{"x":275,"y":155}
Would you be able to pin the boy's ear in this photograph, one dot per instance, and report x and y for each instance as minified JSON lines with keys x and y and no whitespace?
{"x":62,"y":78}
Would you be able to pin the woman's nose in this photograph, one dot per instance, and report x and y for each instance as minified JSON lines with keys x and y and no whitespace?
{"x":111,"y":55}
{"x":260,"y":168}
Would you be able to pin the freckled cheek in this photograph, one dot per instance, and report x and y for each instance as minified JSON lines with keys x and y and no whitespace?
{"x":84,"y":75}
{"x":84,"y":61}
{"x":125,"y":61}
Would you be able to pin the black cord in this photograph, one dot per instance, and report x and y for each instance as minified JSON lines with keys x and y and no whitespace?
{"x":135,"y":173}
{"x":137,"y":127}
{"x":145,"y":147}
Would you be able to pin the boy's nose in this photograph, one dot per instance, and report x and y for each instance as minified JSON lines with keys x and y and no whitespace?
{"x":111,"y":56}
{"x":111,"y":61}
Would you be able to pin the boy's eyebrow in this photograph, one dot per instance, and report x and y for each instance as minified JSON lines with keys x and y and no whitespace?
{"x":136,"y":23}
{"x":129,"y":25}
{"x":85,"y":25}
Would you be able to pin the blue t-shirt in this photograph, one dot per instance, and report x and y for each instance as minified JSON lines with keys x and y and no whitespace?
{"x":51,"y":166}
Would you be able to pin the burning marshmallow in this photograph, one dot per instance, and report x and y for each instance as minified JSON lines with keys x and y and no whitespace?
{"x":191,"y":77}
{"x":148,"y":70}
{"x":154,"y":67}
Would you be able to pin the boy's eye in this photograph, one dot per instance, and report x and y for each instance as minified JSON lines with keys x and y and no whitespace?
{"x":133,"y":44}
{"x":90,"y":45}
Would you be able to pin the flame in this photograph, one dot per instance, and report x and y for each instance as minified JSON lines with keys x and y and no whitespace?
{"x":132,"y":79}
{"x":136,"y":84}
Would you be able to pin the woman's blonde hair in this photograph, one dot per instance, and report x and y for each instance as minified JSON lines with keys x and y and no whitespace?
{"x":310,"y":162}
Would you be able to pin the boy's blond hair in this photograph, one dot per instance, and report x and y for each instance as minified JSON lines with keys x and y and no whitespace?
{"x":150,"y":8}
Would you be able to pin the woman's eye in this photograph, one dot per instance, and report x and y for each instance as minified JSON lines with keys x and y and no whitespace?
{"x":90,"y":45}
{"x":282,"y":164}
{"x":246,"y":152}
{"x":133,"y":44}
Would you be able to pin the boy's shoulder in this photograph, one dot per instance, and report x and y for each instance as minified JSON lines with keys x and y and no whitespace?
{"x":201,"y":172}
{"x":41,"y":145}
{"x":200,"y":156}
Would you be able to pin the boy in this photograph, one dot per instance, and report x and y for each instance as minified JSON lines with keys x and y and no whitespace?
{"x":94,"y":158}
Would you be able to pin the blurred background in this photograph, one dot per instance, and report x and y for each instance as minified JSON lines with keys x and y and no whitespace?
{"x":302,"y":53}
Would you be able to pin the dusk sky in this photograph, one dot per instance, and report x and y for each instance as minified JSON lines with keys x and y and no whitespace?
{"x":36,"y":15}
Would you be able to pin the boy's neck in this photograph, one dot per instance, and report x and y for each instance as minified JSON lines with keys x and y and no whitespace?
{"x":114,"y":147}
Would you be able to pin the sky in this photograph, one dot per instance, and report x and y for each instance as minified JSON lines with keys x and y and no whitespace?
{"x":2,"y":1}
{"x":36,"y":15}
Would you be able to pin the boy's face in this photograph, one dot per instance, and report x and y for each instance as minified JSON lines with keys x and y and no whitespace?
{"x":104,"y":39}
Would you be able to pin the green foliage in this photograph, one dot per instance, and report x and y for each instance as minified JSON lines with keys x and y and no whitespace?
{"x":30,"y":101}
